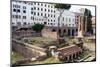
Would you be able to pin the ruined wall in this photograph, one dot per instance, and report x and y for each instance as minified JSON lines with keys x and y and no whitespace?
{"x":27,"y":50}
{"x":49,"y":34}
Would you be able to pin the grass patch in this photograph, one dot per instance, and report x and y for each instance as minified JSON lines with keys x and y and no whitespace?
{"x":43,"y":42}
{"x":85,"y":53}
{"x":49,"y":60}
{"x":15,"y":57}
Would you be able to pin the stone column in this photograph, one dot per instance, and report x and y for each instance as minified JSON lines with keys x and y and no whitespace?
{"x":85,"y":25}
{"x":80,"y":26}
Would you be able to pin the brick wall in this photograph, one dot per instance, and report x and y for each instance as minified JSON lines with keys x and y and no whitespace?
{"x":49,"y":34}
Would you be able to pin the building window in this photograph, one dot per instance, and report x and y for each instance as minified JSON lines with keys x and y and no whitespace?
{"x":38,"y":14}
{"x":51,"y":20}
{"x":54,"y":20}
{"x":54,"y":16}
{"x":24,"y":17}
{"x":41,"y":9}
{"x":38,"y":8}
{"x":18,"y":10}
{"x":45,"y":9}
{"x":38,"y":3}
{"x":18,"y":23}
{"x":16,"y":6}
{"x":63,"y":24}
{"x":19,"y":16}
{"x":25,"y":2}
{"x":31,"y":12}
{"x":54,"y":11}
{"x":48,"y":5}
{"x":51,"y":6}
{"x":24,"y":7}
{"x":31,"y":8}
{"x":48,"y":20}
{"x":76,"y":30}
{"x":48,"y":10}
{"x":31,"y":3}
{"x":41,"y":14}
{"x":51,"y":23}
{"x":34,"y":8}
{"x":64,"y":30}
{"x":77,"y":19}
{"x":24,"y":11}
{"x":13,"y":5}
{"x":24,"y":23}
{"x":32,"y":18}
{"x":28,"y":23}
{"x":73,"y":20}
{"x":34,"y":13}
{"x":45,"y":22}
{"x":16,"y":16}
{"x":76,"y":22}
{"x":13,"y":16}
{"x":48,"y":15}
{"x":45,"y":5}
{"x":14,"y":10}
{"x":51,"y":10}
{"x":41,"y":4}
{"x":45,"y":15}
{"x":13,"y":23}
{"x":51,"y":15}
{"x":34,"y":3}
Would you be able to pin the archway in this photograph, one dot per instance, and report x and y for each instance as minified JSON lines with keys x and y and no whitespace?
{"x":70,"y":57}
{"x":72,"y":32}
{"x":74,"y":56}
{"x":24,"y":23}
{"x":45,"y":23}
{"x":68,"y":32}
{"x":59,"y":32}
{"x":53,"y":30}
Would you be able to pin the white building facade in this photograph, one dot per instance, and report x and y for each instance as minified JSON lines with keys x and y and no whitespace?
{"x":29,"y":13}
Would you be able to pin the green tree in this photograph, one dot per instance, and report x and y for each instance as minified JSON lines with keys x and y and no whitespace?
{"x":61,"y":8}
{"x":87,"y":18}
{"x":38,"y":27}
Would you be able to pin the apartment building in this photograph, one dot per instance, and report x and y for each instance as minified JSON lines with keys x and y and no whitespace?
{"x":30,"y":13}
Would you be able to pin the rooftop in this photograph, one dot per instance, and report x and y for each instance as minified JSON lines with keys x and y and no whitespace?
{"x":70,"y":50}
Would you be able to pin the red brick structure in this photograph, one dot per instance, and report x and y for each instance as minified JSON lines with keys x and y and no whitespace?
{"x":70,"y":52}
{"x":93,"y":24}
{"x":48,"y":33}
{"x":23,"y":32}
{"x":52,"y":31}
